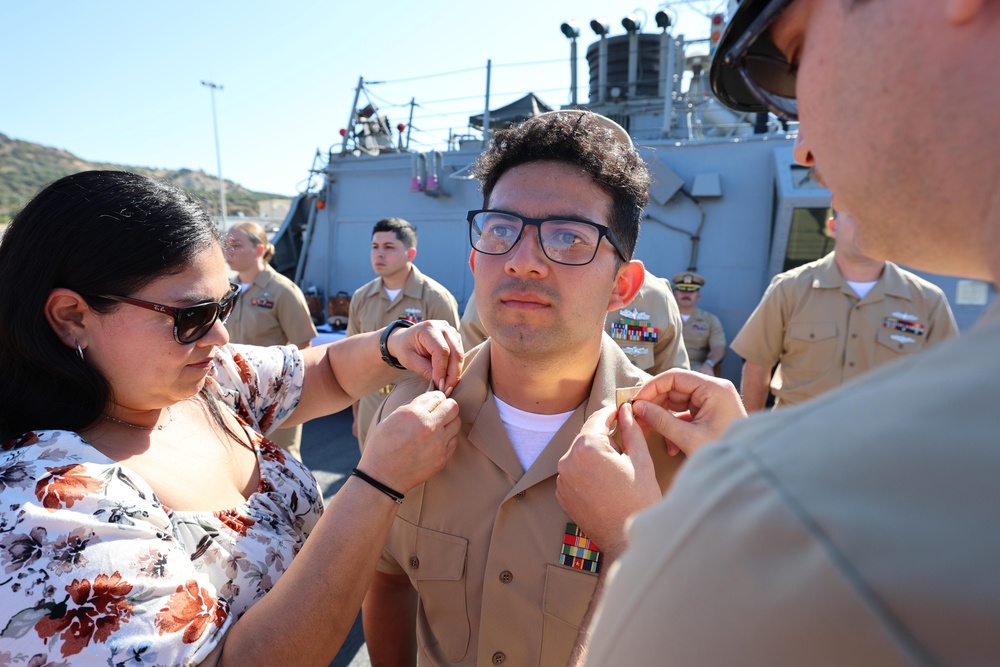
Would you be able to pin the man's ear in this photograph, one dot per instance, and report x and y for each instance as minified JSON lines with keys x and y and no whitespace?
{"x":410,"y":254}
{"x":67,"y":313}
{"x":627,"y":284}
{"x":831,"y":227}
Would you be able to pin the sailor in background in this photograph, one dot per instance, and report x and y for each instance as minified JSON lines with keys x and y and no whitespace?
{"x":648,"y":330}
{"x":703,"y":334}
{"x":399,"y":292}
{"x":271,"y":309}
{"x":828,"y":321}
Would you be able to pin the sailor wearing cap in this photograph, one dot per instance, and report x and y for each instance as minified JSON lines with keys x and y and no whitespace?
{"x":861,"y":528}
{"x":703,"y":334}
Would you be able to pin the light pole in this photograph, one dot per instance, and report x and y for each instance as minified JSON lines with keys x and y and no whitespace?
{"x":218,"y":154}
{"x":572,"y":31}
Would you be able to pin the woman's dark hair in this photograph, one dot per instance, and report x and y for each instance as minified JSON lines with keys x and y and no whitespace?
{"x":96,"y":232}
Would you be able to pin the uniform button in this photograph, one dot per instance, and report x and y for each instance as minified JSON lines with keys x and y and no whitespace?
{"x":499,"y":658}
{"x":414,"y":562}
{"x":519,"y":495}
{"x":812,"y":335}
{"x":506,"y":577}
{"x":854,"y":335}
{"x":851,"y":364}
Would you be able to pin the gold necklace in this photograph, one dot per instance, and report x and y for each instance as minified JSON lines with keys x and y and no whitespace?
{"x":170,"y":418}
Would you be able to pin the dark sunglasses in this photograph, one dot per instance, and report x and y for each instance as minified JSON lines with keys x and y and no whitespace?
{"x":768,"y":75}
{"x":190,"y":322}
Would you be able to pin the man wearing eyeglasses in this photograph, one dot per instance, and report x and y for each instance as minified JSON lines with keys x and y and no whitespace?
{"x":482,"y":560}
{"x":859,"y":528}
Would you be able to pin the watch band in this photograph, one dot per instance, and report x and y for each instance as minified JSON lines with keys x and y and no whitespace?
{"x":710,"y":363}
{"x":384,"y":340}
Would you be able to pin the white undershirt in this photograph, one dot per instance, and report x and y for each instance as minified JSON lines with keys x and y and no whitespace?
{"x":392,"y":293}
{"x":862,"y":289}
{"x":685,"y":317}
{"x":529,"y":432}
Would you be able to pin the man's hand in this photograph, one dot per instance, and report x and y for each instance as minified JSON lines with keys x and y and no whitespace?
{"x":601,"y":487}
{"x":432,"y":348}
{"x":688,"y":409}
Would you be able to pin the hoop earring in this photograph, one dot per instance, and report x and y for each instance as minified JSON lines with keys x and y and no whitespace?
{"x":79,"y":351}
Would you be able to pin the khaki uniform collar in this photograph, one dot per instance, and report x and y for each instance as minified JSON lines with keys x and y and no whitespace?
{"x":486,"y":433}
{"x":413,"y":287}
{"x":265,"y":277}
{"x":892,"y":282}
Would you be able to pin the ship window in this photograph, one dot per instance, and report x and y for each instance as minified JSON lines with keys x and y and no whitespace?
{"x":807,"y":239}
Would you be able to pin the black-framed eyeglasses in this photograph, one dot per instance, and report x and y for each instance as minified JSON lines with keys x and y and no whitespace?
{"x":570,"y":242}
{"x":190,"y":322}
{"x":768,"y":75}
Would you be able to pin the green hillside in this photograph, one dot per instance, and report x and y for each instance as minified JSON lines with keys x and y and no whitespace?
{"x":26,"y":167}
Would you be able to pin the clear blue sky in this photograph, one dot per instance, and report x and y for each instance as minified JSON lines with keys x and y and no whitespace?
{"x":116,"y":81}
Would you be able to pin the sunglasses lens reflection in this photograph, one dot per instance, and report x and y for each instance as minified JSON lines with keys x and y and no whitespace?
{"x":774,"y":75}
{"x":194,"y":322}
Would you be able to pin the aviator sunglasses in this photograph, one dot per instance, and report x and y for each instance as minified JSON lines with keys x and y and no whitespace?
{"x":190,"y":322}
{"x":768,"y":75}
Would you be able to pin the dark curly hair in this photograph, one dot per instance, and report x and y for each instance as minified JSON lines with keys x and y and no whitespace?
{"x":95,"y":232}
{"x":583,"y":139}
{"x":403,"y":229}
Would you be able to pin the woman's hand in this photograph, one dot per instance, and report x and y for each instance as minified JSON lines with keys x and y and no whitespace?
{"x":414,"y":442}
{"x":432,"y":348}
{"x":688,"y":409}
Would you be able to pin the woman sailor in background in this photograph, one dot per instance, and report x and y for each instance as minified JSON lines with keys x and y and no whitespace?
{"x":143,"y":518}
{"x":271,"y":309}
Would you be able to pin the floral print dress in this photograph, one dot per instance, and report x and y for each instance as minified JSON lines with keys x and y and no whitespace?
{"x":95,"y":571}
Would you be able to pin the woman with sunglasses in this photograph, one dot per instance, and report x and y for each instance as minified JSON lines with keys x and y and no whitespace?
{"x":144,"y":518}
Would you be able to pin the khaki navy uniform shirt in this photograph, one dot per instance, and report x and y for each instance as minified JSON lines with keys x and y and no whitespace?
{"x":812,"y":324}
{"x":648,"y":329}
{"x":702,"y":332}
{"x":422,"y":299}
{"x":273,"y":311}
{"x":471,"y":327}
{"x":502,"y":577}
{"x":857,"y":530}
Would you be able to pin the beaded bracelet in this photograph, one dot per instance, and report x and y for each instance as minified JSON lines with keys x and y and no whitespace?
{"x":396,"y":496}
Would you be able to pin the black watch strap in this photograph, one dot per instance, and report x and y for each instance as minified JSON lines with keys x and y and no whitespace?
{"x":383,"y":343}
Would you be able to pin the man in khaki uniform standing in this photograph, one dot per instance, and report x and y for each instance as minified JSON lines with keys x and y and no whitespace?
{"x":399,"y":292}
{"x":858,"y":529}
{"x":648,"y":329}
{"x":271,"y":309}
{"x":481,"y":560}
{"x":828,"y":321}
{"x":703,"y":334}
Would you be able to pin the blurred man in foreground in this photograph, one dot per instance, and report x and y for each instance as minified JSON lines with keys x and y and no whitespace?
{"x":859,"y":529}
